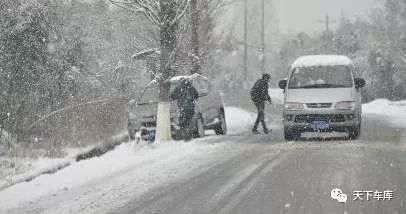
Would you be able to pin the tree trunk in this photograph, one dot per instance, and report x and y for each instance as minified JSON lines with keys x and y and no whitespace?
{"x":163,"y":114}
{"x":167,"y":46}
{"x":195,"y":36}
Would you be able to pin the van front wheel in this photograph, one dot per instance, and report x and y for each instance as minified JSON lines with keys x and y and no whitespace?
{"x":355,"y":132}
{"x":291,"y":135}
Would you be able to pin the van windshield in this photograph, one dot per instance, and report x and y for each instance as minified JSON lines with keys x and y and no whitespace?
{"x":321,"y":77}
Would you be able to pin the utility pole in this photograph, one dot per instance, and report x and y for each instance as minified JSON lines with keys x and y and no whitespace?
{"x":195,"y":36}
{"x":327,"y":22}
{"x":245,"y":42}
{"x":262,"y":48}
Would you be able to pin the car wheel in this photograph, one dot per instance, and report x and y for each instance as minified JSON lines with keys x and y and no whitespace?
{"x":355,"y":132}
{"x":291,"y":135}
{"x":199,"y":130}
{"x":221,"y":127}
{"x":131,"y":134}
{"x":177,"y":135}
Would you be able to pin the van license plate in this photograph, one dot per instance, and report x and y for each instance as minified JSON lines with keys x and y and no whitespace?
{"x":320,"y":125}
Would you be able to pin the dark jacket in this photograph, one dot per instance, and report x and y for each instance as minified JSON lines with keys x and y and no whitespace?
{"x":259,"y":93}
{"x":186,"y":95}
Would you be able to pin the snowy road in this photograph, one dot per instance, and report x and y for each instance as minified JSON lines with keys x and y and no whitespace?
{"x":274,"y":177}
{"x":232,"y":174}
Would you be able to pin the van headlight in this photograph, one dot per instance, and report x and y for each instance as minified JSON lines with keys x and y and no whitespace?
{"x":294,"y":106}
{"x":348,"y":105}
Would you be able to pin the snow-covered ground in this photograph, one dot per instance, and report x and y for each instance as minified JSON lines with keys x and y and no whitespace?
{"x":27,"y":165}
{"x":148,"y":165}
{"x":394,"y":112}
{"x":276,"y":95}
{"x":97,"y":182}
{"x":240,"y":121}
{"x":35,"y":167}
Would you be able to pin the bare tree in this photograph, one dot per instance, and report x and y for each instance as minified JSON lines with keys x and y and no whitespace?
{"x":165,"y":15}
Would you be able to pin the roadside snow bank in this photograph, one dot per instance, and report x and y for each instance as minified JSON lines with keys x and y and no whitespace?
{"x":239,"y":120}
{"x":37,"y":168}
{"x":114,"y":178}
{"x":18,"y":169}
{"x":394,"y":111}
{"x":277,"y":96}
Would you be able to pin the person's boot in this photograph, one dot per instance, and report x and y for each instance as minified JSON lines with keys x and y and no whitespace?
{"x":266,"y":130}
{"x":264,"y":126}
{"x":255,"y":128}
{"x":188,"y":134}
{"x":182,"y":134}
{"x":255,"y":132}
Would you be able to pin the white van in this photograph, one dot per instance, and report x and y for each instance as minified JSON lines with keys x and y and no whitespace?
{"x":322,"y":95}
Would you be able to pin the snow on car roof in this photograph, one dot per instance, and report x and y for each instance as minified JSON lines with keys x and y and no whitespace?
{"x":321,"y":60}
{"x":177,"y":78}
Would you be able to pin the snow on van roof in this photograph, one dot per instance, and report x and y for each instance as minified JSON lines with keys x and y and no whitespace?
{"x":321,"y":60}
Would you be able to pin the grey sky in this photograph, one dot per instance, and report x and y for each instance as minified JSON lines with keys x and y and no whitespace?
{"x":304,"y":15}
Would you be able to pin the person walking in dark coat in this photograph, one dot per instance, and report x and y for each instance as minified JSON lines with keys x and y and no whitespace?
{"x":185,"y":95}
{"x":259,"y":94}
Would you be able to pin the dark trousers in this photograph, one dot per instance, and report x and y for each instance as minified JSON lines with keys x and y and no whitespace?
{"x":261,"y":116}
{"x":185,"y":120}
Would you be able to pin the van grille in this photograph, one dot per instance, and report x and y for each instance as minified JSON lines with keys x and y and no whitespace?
{"x":319,"y":105}
{"x":309,"y":118}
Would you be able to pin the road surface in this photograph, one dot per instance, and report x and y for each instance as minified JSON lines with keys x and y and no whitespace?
{"x":267,"y":175}
{"x":273,"y":177}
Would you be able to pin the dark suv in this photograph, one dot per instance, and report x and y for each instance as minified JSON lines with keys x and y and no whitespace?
{"x":209,"y":110}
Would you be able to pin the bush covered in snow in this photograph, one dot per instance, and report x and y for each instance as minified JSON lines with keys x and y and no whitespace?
{"x":7,"y":141}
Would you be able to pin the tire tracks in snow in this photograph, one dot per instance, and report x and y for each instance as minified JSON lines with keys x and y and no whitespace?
{"x":211,"y":189}
{"x":237,"y":194}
